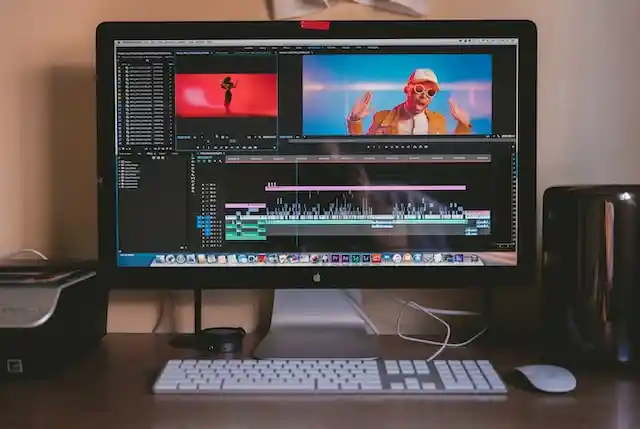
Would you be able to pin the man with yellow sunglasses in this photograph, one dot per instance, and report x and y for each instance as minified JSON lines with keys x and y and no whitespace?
{"x":412,"y":117}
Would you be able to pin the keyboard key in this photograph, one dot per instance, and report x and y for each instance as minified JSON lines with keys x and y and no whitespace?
{"x":187,"y":386}
{"x":496,"y":383}
{"x":209,"y":386}
{"x":166,"y":385}
{"x":406,"y":367}
{"x":350,"y":386}
{"x":421,"y":367}
{"x":392,"y":367}
{"x":412,"y":384}
{"x":458,"y":387}
{"x":285,"y":387}
{"x":371,"y":386}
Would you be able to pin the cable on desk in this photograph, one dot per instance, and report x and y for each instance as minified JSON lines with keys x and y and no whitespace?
{"x":444,"y":344}
{"x":433,"y":312}
{"x":13,"y":255}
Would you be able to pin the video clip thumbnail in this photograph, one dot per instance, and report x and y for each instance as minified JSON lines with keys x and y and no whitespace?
{"x":223,"y":95}
{"x":403,"y":94}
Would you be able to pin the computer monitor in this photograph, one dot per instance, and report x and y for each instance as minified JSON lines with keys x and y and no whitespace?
{"x":314,"y":157}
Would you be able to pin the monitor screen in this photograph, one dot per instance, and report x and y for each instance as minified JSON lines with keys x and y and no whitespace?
{"x":336,"y":152}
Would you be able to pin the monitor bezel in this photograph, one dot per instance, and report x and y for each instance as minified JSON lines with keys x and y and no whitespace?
{"x":330,"y":277}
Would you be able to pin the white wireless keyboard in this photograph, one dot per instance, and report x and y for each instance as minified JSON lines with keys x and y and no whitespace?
{"x":329,"y":376}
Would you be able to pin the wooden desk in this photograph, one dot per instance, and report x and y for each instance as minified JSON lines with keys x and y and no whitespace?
{"x":111,"y":390}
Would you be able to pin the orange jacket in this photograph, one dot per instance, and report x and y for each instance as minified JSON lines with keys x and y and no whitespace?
{"x":386,"y":122}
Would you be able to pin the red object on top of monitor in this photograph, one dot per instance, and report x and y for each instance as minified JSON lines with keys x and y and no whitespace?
{"x":315,"y":25}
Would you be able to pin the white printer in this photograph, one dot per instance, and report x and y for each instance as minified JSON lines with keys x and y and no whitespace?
{"x":51,"y":315}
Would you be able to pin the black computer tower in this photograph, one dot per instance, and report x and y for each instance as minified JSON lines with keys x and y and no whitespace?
{"x":591,"y":275}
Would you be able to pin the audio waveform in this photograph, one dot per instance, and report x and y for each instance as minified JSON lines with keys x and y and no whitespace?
{"x":346,"y":206}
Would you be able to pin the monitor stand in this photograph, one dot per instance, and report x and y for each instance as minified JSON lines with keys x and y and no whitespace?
{"x":317,"y":324}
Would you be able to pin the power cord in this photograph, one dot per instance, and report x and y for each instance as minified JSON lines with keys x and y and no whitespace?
{"x":433,"y":312}
{"x":429,"y":311}
{"x":166,"y":310}
{"x":443,"y":345}
{"x":12,"y":255}
{"x":161,"y":312}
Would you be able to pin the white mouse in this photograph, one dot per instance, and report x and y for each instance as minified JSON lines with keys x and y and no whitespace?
{"x":548,"y":378}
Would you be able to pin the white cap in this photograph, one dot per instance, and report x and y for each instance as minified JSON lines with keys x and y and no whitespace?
{"x":423,"y":75}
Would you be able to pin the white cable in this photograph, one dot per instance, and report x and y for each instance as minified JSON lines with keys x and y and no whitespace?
{"x":462,"y":344}
{"x":453,"y":312}
{"x":446,"y":343}
{"x":415,"y":306}
{"x":439,"y":310}
{"x":161,"y":313}
{"x":418,"y":307}
{"x":22,"y":252}
{"x":431,"y":312}
{"x":356,"y":306}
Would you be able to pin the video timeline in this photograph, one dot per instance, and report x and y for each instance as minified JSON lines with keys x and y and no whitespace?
{"x":346,"y":214}
{"x":299,"y":205}
{"x":316,"y":259}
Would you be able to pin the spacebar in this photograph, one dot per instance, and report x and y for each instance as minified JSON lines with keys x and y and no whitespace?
{"x":270,"y":387}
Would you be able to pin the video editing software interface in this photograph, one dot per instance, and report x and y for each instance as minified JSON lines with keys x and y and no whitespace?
{"x":316,"y":152}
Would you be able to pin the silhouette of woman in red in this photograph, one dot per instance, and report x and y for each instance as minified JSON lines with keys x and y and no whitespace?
{"x":228,"y":85}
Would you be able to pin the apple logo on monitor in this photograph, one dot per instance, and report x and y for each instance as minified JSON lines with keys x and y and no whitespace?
{"x":317,"y":278}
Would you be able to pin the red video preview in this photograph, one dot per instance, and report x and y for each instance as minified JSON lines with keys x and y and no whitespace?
{"x":223,"y":95}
